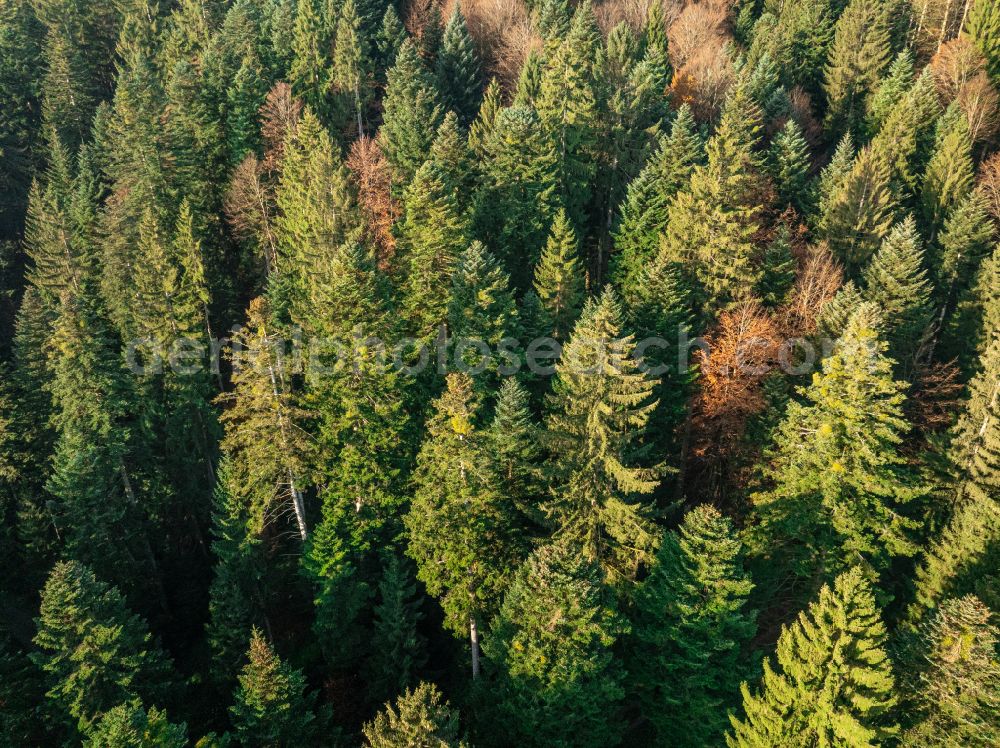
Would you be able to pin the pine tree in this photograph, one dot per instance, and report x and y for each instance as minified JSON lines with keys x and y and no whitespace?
{"x":412,"y":112}
{"x":131,"y":726}
{"x":559,"y":683}
{"x":789,"y":166}
{"x":432,"y":234}
{"x":712,"y":223}
{"x":568,"y":107}
{"x":960,"y":560}
{"x":950,"y":174}
{"x":645,"y":209}
{"x":398,"y":648}
{"x":896,"y":281}
{"x":858,"y":58}
{"x":840,"y":483}
{"x":456,"y":505}
{"x":95,"y":652}
{"x":559,"y":279}
{"x":518,"y":200}
{"x":982,"y":26}
{"x":421,"y":716}
{"x":458,"y":70}
{"x":265,"y":442}
{"x":834,"y":682}
{"x":352,"y":63}
{"x":859,"y":211}
{"x":271,"y":706}
{"x":596,"y":484}
{"x":954,"y":691}
{"x":689,"y":629}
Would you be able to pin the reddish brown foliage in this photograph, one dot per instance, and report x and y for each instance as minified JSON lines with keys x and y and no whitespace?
{"x":936,"y":396}
{"x":372,"y":177}
{"x":989,"y":183}
{"x":981,"y":104}
{"x":503,"y":33}
{"x":279,"y":115}
{"x":818,"y":279}
{"x":250,"y":209}
{"x":957,"y":62}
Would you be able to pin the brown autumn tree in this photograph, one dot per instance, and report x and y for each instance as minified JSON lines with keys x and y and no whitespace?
{"x":372,"y":177}
{"x":989,"y":183}
{"x":818,"y":278}
{"x":980,"y":102}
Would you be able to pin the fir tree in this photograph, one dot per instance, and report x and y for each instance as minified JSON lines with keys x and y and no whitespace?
{"x":789,"y":166}
{"x":352,"y":64}
{"x":398,"y":648}
{"x":529,"y":81}
{"x":841,"y":484}
{"x":482,"y":126}
{"x":514,"y":449}
{"x":961,"y":246}
{"x":896,"y":281}
{"x":412,"y":113}
{"x":552,"y":645}
{"x":954,"y":692}
{"x":271,"y":706}
{"x":559,"y":279}
{"x":311,"y":74}
{"x":131,"y":726}
{"x":421,"y":716}
{"x":94,"y":651}
{"x":858,"y":57}
{"x":689,"y":628}
{"x":597,"y":486}
{"x":893,"y":87}
{"x":982,"y":26}
{"x":456,"y":505}
{"x":645,"y":209}
{"x":834,"y":682}
{"x":949,"y":175}
{"x":834,"y":173}
{"x":458,"y":72}
{"x":390,"y":38}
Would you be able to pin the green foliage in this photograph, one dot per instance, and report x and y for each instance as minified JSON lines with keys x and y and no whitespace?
{"x":457,"y":69}
{"x":420,"y":717}
{"x":352,"y":63}
{"x":598,"y":412}
{"x":559,"y":279}
{"x":311,"y":74}
{"x":131,"y":726}
{"x":950,"y":172}
{"x":834,"y":682}
{"x":271,"y":706}
{"x":790,"y":165}
{"x":94,"y":651}
{"x":982,"y":27}
{"x":689,"y":629}
{"x":551,"y":644}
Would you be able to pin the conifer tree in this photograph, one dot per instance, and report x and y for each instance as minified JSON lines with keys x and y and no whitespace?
{"x":390,"y":38}
{"x":559,"y":279}
{"x":519,"y":197}
{"x":271,"y":706}
{"x":689,"y":628}
{"x":833,"y":684}
{"x":311,"y":74}
{"x":450,"y":154}
{"x":860,"y":209}
{"x":712,"y":223}
{"x":456,"y":505}
{"x":94,"y":651}
{"x":529,"y":81}
{"x":789,"y":166}
{"x":559,"y":683}
{"x":398,"y":648}
{"x":645,"y":209}
{"x":954,"y":692}
{"x":412,"y":112}
{"x":432,"y":234}
{"x":131,"y":726}
{"x":894,"y":86}
{"x":514,"y":449}
{"x":967,"y":546}
{"x":482,"y":126}
{"x":950,"y":173}
{"x":352,"y":64}
{"x":597,"y":485}
{"x":655,"y":33}
{"x":431,"y":34}
{"x":896,"y":281}
{"x":962,"y":244}
{"x":840,"y":482}
{"x":458,"y":70}
{"x":858,"y":57}
{"x":420,"y":716}
{"x":982,"y":26}
{"x":244,"y":98}
{"x":265,"y":442}
{"x":834,"y":173}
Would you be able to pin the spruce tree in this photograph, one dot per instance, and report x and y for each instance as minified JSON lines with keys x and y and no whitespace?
{"x":789,"y":167}
{"x":833,"y":684}
{"x":559,"y":279}
{"x":645,"y":209}
{"x":132,"y":726}
{"x":894,"y":86}
{"x":352,"y":63}
{"x":271,"y":706}
{"x":896,"y":281}
{"x":982,"y":27}
{"x":456,"y":504}
{"x":690,"y":626}
{"x":962,"y":244}
{"x":310,"y":74}
{"x":529,"y":81}
{"x":390,"y":39}
{"x":830,"y":178}
{"x":858,"y":57}
{"x":94,"y":651}
{"x":514,"y":449}
{"x":950,"y":173}
{"x":559,"y":683}
{"x":412,"y":112}
{"x":841,"y":485}
{"x":399,"y":651}
{"x":952,"y":691}
{"x":482,"y":126}
{"x":458,"y":70}
{"x":599,"y":410}
{"x":420,"y":716}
